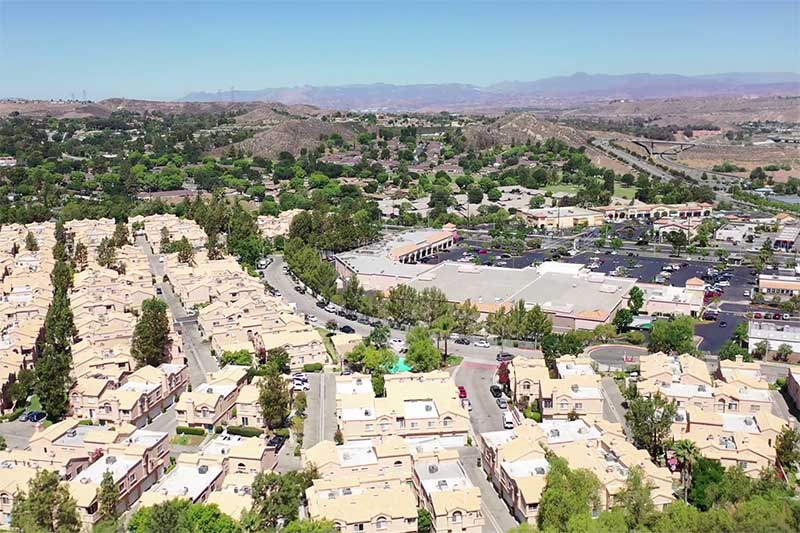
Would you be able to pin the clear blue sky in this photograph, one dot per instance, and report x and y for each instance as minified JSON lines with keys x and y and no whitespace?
{"x":163,"y":50}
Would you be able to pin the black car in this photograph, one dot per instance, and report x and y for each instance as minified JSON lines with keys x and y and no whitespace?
{"x":505,"y":356}
{"x":363,"y":320}
{"x":299,"y":289}
{"x":375,"y":323}
{"x":277,"y":442}
{"x":322,"y":304}
{"x":36,"y":416}
{"x":351,"y":316}
{"x":347,"y":329}
{"x":463,"y":340}
{"x":723,"y":324}
{"x":496,"y":391}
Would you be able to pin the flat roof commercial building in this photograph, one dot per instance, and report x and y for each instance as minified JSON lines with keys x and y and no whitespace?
{"x":575,"y":297}
{"x":774,"y":334}
{"x":395,"y":259}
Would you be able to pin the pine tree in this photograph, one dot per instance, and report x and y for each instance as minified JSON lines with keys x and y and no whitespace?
{"x":151,"y":334}
{"x":108,"y":498}
{"x":47,"y":506}
{"x":81,"y":258}
{"x":30,"y":243}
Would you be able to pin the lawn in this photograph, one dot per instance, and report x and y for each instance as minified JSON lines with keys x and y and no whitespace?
{"x":324,"y":333}
{"x":36,"y":404}
{"x":188,"y":440}
{"x":453,"y":360}
{"x":624,"y":192}
{"x":571,"y":189}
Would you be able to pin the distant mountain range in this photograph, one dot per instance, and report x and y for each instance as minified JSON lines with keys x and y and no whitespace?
{"x":548,"y":92}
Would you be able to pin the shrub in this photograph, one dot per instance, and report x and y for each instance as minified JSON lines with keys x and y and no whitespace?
{"x":312,"y":367}
{"x":282,"y":432}
{"x":85,"y":422}
{"x":217,"y":429}
{"x":13,"y":415}
{"x":244,"y":431}
{"x":183,"y":430}
{"x":634,"y":337}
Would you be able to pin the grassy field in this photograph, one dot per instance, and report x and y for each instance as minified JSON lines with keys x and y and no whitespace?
{"x":624,"y":192}
{"x":328,"y":344}
{"x":571,"y":189}
{"x":188,"y":440}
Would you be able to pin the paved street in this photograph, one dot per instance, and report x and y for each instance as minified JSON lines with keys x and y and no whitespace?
{"x":320,"y":422}
{"x":17,"y":433}
{"x":166,"y":421}
{"x":195,"y":349}
{"x":477,"y":378}
{"x":495,"y":511}
{"x":612,"y":401}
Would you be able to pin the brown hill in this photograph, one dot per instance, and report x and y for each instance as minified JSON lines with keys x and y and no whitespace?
{"x":518,"y":128}
{"x":293,"y":135}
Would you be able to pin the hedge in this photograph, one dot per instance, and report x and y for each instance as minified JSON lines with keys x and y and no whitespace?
{"x":13,"y":415}
{"x":85,"y":422}
{"x":312,"y":367}
{"x":244,"y":431}
{"x":282,"y":432}
{"x":183,"y":430}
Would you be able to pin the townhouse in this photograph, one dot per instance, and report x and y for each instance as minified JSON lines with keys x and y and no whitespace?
{"x":356,"y":503}
{"x":271,"y":227}
{"x":746,"y":441}
{"x":389,"y":458}
{"x":90,"y":232}
{"x":687,"y":381}
{"x":445,"y":490}
{"x":417,"y":407}
{"x":151,"y":228}
{"x":574,"y":392}
{"x":211,"y":403}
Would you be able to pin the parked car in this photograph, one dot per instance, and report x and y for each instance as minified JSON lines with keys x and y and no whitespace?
{"x":466,"y":404}
{"x":496,"y":391}
{"x":462,"y":392}
{"x":757,"y":315}
{"x":331,"y":308}
{"x":311,"y":318}
{"x":787,"y":316}
{"x":397,"y":342}
{"x":502,"y":403}
{"x":463,"y":341}
{"x":347,"y":329}
{"x":724,"y":283}
{"x":322,"y":304}
{"x":276,"y":442}
{"x":483,"y":343}
{"x":36,"y":416}
{"x":723,"y":324}
{"x":747,"y":292}
{"x":300,"y":385}
{"x":505,"y":356}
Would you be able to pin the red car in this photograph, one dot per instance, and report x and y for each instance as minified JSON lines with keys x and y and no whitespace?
{"x":483,"y":251}
{"x":756,"y":315}
{"x":462,"y":392}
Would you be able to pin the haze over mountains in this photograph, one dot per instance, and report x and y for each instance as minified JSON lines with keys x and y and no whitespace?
{"x":546,"y":92}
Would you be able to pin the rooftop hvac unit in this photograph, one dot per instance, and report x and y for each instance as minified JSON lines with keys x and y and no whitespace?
{"x":432,"y":469}
{"x":540,"y":471}
{"x":203,"y":469}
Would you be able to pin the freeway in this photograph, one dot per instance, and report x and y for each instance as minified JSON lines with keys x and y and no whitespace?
{"x":605,"y":145}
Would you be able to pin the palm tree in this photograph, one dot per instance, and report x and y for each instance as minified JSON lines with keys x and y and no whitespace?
{"x":687,"y":454}
{"x":443,"y":327}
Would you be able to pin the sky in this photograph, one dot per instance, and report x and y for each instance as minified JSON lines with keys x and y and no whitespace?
{"x":164,"y":50}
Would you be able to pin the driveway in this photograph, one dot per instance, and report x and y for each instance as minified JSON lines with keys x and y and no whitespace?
{"x":17,"y":434}
{"x":477,"y":378}
{"x":496,"y":514}
{"x":320,"y":421}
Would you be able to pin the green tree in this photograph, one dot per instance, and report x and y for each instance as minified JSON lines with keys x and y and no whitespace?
{"x":278,"y":360}
{"x":687,"y":454}
{"x":706,"y":475}
{"x":240,"y":357}
{"x":673,"y":336}
{"x":636,"y":499}
{"x":309,"y":526}
{"x":353,"y":294}
{"x":81,"y":257}
{"x":106,"y":253}
{"x":635,"y":300}
{"x":379,"y":336}
{"x":466,"y":317}
{"x":567,"y":493}
{"x":432,"y":304}
{"x":53,"y":381}
{"x":185,"y":251}
{"x":273,"y":398}
{"x":424,"y":520}
{"x":422,"y":355}
{"x":401,"y":304}
{"x":31,"y":243}
{"x":731,"y":350}
{"x":650,"y":423}
{"x":46,"y":506}
{"x":443,"y":327}
{"x":108,"y":497}
{"x":166,"y":239}
{"x":179,"y":515}
{"x":678,"y":240}
{"x":277,"y":496}
{"x":151,"y":334}
{"x":623,"y":319}
{"x":783,"y":352}
{"x":538,"y":324}
{"x":787,"y":448}
{"x":121,"y":236}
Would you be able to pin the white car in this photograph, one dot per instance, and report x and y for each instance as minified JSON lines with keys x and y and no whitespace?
{"x":311,"y":318}
{"x":398,"y":343}
{"x":724,"y":283}
{"x":330,"y":308}
{"x":747,"y":292}
{"x":481,"y":344}
{"x":299,"y":385}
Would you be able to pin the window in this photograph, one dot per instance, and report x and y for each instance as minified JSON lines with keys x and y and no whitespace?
{"x":241,"y":468}
{"x":384,"y":426}
{"x":370,"y":427}
{"x":358,"y":527}
{"x":132,"y":478}
{"x":578,"y":406}
{"x":431,"y":423}
{"x":755,"y":408}
{"x":733,"y":406}
{"x":457,"y":517}
{"x":564,"y":405}
{"x":447,"y":422}
{"x":380,"y":523}
{"x":526,"y":386}
{"x":414,"y":425}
